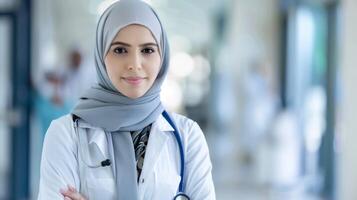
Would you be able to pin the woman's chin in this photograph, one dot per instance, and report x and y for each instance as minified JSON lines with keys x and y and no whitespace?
{"x":134,"y":95}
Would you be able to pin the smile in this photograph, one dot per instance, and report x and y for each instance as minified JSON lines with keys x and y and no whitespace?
{"x":133,"y":80}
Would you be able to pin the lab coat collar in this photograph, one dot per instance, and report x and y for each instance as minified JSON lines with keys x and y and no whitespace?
{"x":162,"y":124}
{"x":95,"y":135}
{"x":98,"y":136}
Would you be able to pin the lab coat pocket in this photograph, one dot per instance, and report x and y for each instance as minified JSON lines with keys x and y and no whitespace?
{"x":101,"y":189}
{"x":167,"y":187}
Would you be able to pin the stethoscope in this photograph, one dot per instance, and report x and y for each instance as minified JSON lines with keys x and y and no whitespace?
{"x":181,"y":195}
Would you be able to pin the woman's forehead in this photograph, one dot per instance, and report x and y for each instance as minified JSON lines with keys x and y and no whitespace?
{"x":135,"y":33}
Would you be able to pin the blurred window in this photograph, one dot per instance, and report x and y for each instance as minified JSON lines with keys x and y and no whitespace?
{"x":7,"y":3}
{"x":4,"y":100}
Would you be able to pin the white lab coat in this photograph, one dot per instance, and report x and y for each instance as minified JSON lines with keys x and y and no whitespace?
{"x":62,"y":163}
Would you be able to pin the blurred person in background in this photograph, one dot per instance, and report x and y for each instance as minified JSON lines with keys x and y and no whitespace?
{"x":98,"y":150}
{"x":260,"y":107}
{"x":59,"y":89}
{"x":78,"y":75}
{"x":48,"y":99}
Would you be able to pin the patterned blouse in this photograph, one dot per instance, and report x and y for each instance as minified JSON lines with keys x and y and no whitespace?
{"x":140,"y":140}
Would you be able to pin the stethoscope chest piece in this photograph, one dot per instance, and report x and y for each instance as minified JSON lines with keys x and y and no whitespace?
{"x":181,"y":196}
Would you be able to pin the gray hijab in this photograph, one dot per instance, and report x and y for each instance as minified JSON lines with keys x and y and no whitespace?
{"x":104,"y":106}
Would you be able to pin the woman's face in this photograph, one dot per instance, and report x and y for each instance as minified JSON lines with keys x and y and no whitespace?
{"x":133,"y":61}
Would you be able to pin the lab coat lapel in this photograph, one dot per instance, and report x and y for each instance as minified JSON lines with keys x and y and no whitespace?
{"x":99,"y":138}
{"x":159,"y":133}
{"x":96,"y":136}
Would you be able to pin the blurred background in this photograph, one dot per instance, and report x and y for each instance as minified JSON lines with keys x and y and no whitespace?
{"x":271,"y":83}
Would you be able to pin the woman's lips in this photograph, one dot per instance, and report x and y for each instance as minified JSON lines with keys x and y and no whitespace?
{"x":133,"y":80}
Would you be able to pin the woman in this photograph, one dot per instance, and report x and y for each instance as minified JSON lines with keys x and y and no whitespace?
{"x":119,"y":142}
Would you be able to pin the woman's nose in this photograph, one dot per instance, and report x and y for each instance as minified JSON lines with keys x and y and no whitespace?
{"x":135,"y":62}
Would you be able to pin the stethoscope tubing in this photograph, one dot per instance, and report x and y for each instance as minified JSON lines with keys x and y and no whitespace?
{"x":179,"y":142}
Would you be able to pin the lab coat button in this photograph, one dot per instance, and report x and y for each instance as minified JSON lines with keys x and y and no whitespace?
{"x":142,"y":180}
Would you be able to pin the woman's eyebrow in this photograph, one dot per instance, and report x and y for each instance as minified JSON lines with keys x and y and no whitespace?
{"x":129,"y":45}
{"x":148,"y":44}
{"x":120,"y":43}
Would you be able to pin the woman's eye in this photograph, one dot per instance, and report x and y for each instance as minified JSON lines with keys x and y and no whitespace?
{"x":120,"y":50}
{"x":148,"y":51}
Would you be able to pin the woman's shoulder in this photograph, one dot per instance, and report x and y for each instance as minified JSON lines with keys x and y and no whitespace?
{"x":191,"y":133}
{"x":60,"y":129}
{"x":188,"y":127}
{"x":63,"y":122}
{"x":181,"y":120}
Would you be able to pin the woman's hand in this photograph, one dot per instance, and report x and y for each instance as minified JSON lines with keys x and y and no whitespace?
{"x":70,"y":193}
